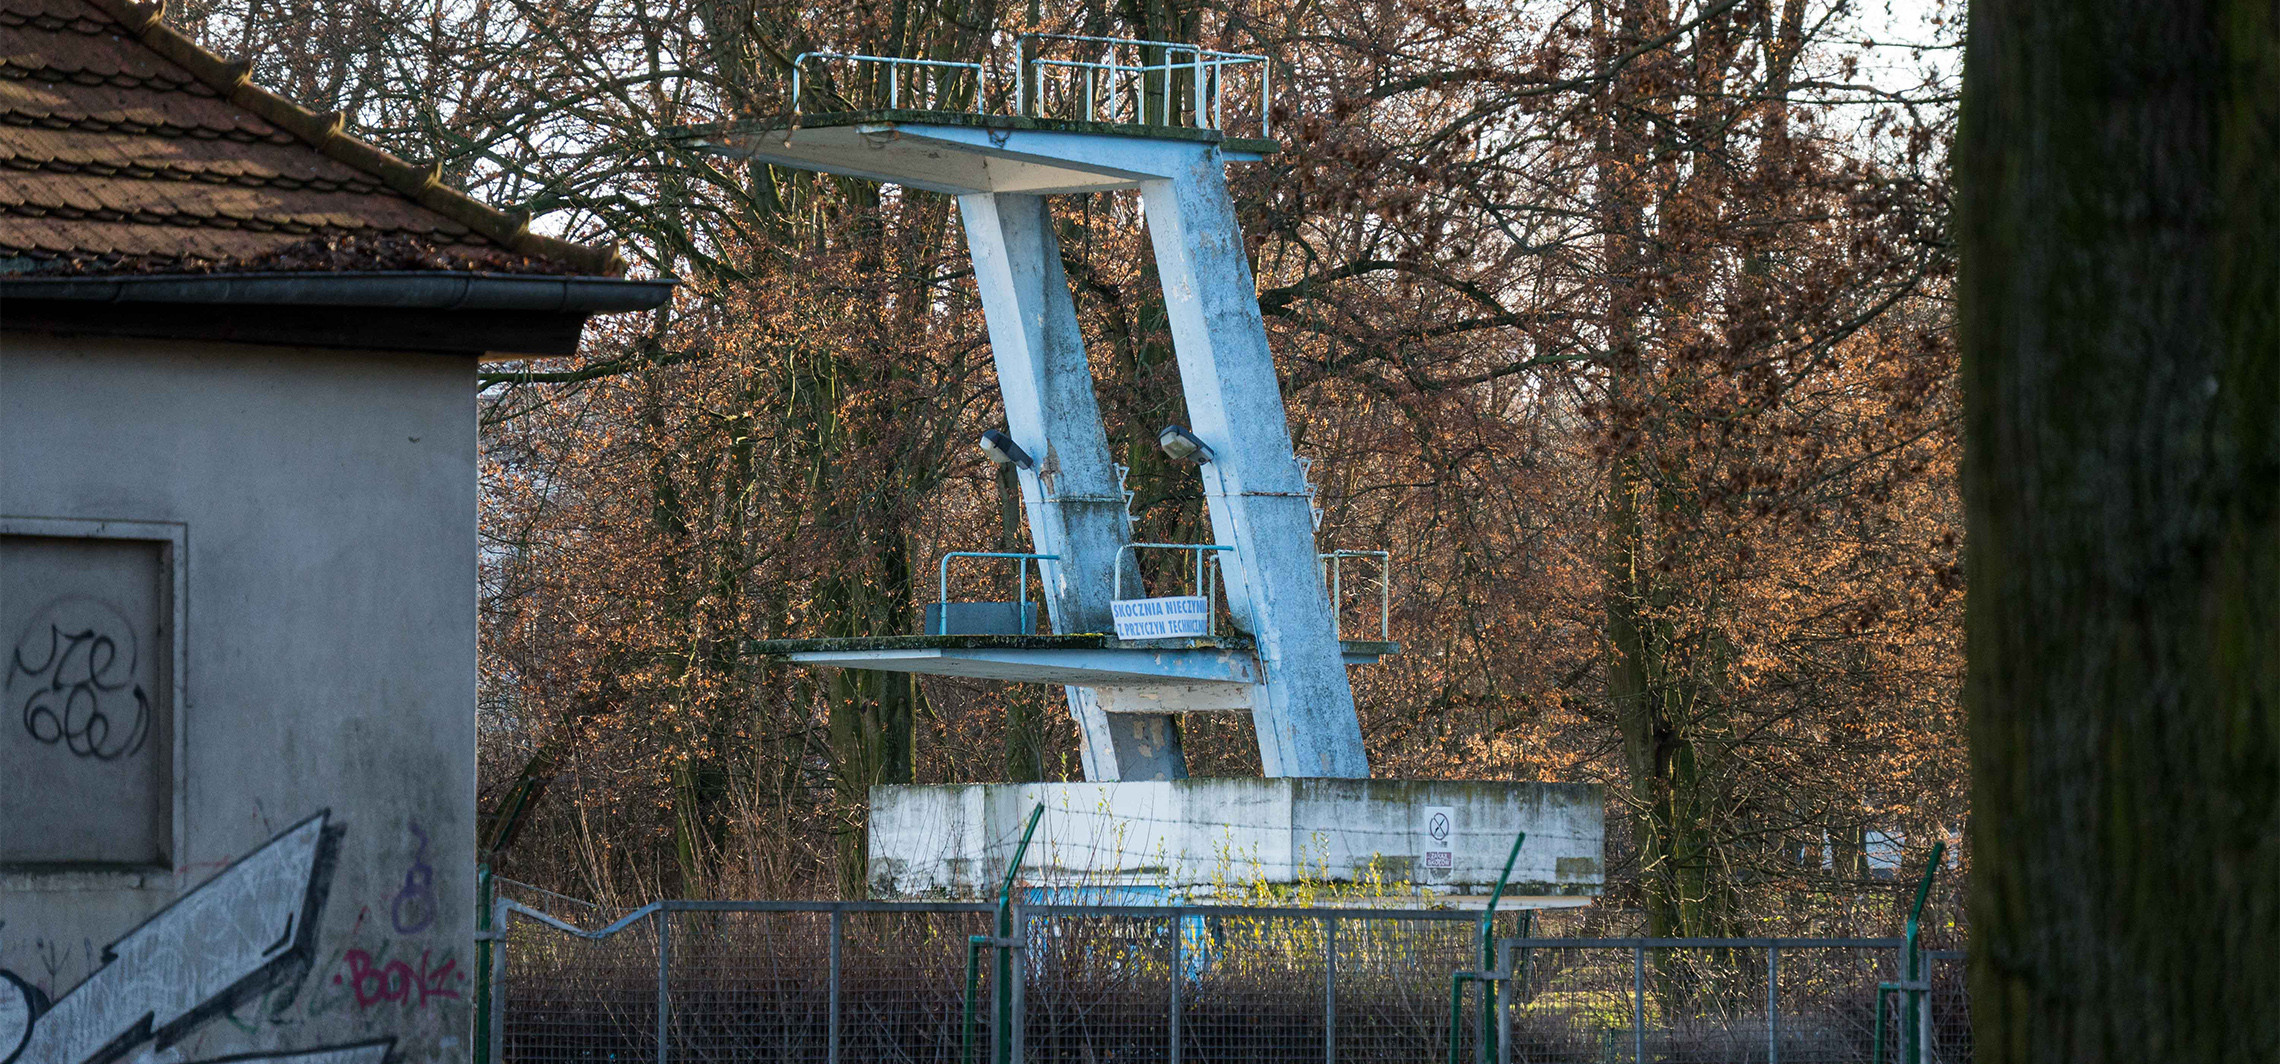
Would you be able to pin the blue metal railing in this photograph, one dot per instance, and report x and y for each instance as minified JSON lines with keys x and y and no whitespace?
{"x":1118,"y":70}
{"x":894,"y":65}
{"x":1206,"y":576}
{"x":1206,"y":67}
{"x":1334,"y":561}
{"x":1021,"y":581}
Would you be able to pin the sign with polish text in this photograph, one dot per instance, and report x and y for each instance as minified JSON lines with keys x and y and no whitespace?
{"x":1162,"y":618}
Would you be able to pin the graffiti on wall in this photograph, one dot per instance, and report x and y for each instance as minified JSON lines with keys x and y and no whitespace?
{"x":248,"y":932}
{"x":72,"y":675}
{"x":377,"y":980}
{"x":414,"y":907}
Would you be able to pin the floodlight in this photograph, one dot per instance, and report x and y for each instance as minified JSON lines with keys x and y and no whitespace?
{"x":1003,"y":451}
{"x":1182,"y":445}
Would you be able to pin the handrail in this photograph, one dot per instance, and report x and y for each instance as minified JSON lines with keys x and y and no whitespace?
{"x":1140,"y":41}
{"x":1337,"y":588}
{"x":1021,"y":578}
{"x":1205,"y":67}
{"x":893,"y":63}
{"x":1207,"y":90}
{"x":1206,"y":584}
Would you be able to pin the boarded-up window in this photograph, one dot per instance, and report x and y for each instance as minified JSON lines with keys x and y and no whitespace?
{"x":85,"y":729}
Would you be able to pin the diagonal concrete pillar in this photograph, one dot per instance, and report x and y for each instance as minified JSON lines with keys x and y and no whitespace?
{"x":1306,"y":723}
{"x":1075,"y":506}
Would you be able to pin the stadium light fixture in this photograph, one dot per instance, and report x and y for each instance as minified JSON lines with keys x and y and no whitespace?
{"x":1003,"y":451}
{"x":1183,"y":446}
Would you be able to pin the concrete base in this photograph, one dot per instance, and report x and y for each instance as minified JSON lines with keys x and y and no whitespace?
{"x":1221,"y":837}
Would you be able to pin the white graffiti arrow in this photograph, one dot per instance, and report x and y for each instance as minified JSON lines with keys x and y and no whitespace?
{"x":15,"y":1014}
{"x":364,"y":1053}
{"x":195,"y":957}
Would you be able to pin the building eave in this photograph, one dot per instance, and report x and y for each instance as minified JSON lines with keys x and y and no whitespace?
{"x":488,"y":316}
{"x":424,"y":289}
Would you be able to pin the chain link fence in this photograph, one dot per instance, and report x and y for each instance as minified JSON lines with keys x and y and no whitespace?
{"x":685,"y":982}
{"x":1719,"y":1001}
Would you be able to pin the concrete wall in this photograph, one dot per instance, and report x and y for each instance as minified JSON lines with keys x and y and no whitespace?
{"x":318,"y":509}
{"x":1201,"y":837}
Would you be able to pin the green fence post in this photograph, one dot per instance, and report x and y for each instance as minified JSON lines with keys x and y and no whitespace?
{"x":1004,"y":987}
{"x":1489,"y":989}
{"x":1913,"y":1003}
{"x":483,"y":963}
{"x":1487,"y":973}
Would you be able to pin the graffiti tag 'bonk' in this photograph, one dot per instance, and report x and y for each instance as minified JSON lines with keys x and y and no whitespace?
{"x":71,"y":675}
{"x":248,"y":930}
{"x":397,"y":982}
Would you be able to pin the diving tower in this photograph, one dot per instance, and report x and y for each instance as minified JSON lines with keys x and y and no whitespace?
{"x":1291,"y":669}
{"x":1152,"y":117}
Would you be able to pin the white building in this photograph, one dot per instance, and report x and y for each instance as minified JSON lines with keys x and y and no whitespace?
{"x":238,"y":557}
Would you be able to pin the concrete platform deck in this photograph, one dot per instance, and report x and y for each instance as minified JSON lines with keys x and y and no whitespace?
{"x":1208,"y":837}
{"x":961,"y":152}
{"x":1085,"y":660}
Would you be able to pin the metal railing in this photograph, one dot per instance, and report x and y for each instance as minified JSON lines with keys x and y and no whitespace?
{"x":681,"y":982}
{"x":1206,"y":573}
{"x":895,"y":65}
{"x":1110,"y":77}
{"x":1020,"y":578}
{"x":1334,"y":563}
{"x":1184,"y":85}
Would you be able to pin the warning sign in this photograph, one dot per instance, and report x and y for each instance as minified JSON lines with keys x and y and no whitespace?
{"x":1160,"y":618}
{"x":1439,"y":853}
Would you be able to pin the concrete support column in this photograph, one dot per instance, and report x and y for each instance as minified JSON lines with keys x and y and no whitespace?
{"x":1306,"y":724}
{"x":1075,"y":506}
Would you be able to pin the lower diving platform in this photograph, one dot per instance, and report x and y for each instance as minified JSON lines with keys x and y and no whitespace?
{"x":1138,"y":676}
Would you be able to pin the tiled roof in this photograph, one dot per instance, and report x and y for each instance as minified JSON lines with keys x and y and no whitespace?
{"x":125,"y":147}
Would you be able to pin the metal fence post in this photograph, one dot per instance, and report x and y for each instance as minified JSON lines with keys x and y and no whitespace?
{"x":497,"y":1035}
{"x":1179,"y":975}
{"x":1512,"y":972}
{"x":664,"y":998}
{"x":831,"y":1036}
{"x":1639,"y":1004}
{"x":483,"y":940}
{"x":1924,"y":1053}
{"x":997,"y":1008}
{"x":1773,"y":1003}
{"x":1330,"y":989}
{"x":1020,"y":969}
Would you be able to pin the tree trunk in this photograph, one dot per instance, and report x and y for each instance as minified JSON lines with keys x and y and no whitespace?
{"x":1653,"y":698}
{"x":2119,"y":218}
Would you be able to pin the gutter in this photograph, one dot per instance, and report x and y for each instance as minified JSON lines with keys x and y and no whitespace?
{"x":406,"y":289}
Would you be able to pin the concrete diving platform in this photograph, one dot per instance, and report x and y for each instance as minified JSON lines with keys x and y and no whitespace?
{"x":1151,"y":675}
{"x":1225,"y":837}
{"x":959,"y":153}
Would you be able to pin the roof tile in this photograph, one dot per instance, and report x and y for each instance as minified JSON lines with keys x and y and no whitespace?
{"x":108,"y":154}
{"x":125,"y":146}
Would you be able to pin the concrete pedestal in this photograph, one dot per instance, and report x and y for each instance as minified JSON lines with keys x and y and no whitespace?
{"x":1216,"y":838}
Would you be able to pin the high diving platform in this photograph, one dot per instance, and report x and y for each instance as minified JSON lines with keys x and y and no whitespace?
{"x":1255,"y":620}
{"x":958,"y":153}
